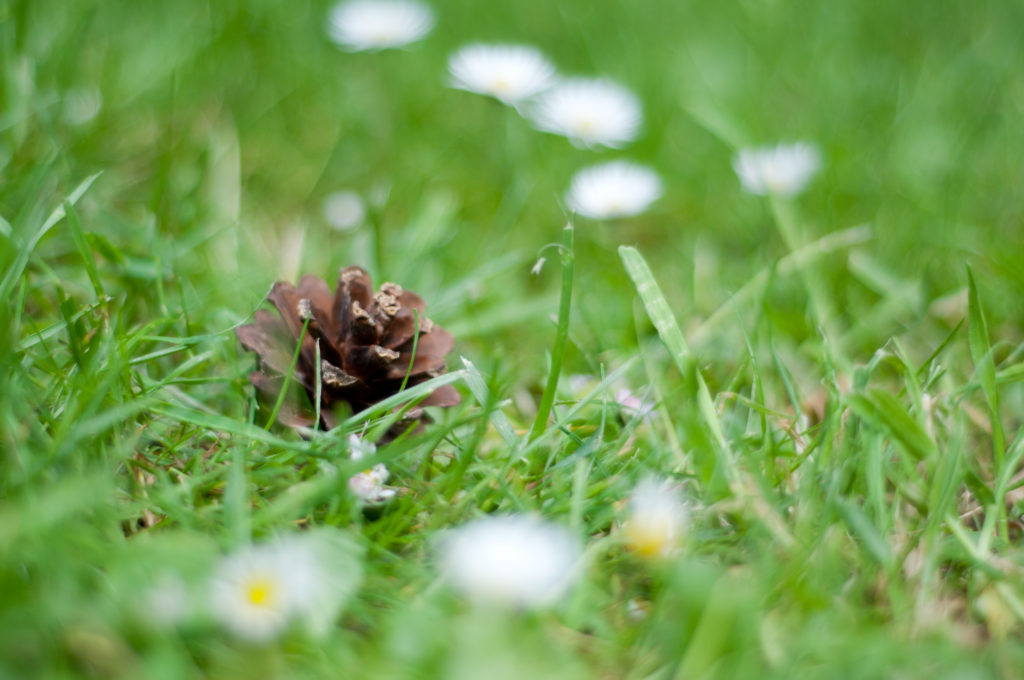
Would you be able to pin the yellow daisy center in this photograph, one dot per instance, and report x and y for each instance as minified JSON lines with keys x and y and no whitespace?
{"x":649,"y":539}
{"x":586,"y":125}
{"x":261,"y":592}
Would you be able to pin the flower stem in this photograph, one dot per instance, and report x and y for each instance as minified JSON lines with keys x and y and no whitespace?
{"x":561,"y":335}
{"x":822,"y":312}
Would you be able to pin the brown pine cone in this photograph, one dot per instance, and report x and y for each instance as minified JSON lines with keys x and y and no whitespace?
{"x":366,"y":345}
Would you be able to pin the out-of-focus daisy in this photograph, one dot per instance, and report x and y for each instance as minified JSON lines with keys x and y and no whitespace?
{"x":344,"y":210}
{"x":513,"y":560}
{"x":358,"y":25}
{"x":259,"y":591}
{"x":590,"y":112}
{"x":368,"y":485}
{"x":509,"y":73}
{"x":782,"y":170}
{"x":657,"y":519}
{"x":634,"y":406}
{"x":616,"y":189}
{"x":165,"y":603}
{"x":256,"y":592}
{"x":81,"y":105}
{"x":580,"y":383}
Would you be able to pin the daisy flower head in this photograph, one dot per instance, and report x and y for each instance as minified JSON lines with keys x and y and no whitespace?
{"x":359,"y":25}
{"x":782,"y":170}
{"x":368,"y":485}
{"x":580,"y":384}
{"x":509,"y":73}
{"x":615,"y":189}
{"x":657,"y":519}
{"x":258,"y":591}
{"x":165,"y":603}
{"x":515,"y":561}
{"x":82,"y":104}
{"x":590,"y":112}
{"x":634,"y":405}
{"x":344,"y":210}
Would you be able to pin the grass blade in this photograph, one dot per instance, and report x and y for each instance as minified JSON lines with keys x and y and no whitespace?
{"x":477,"y":386}
{"x":25,"y":253}
{"x":561,"y":335}
{"x":984,"y":365}
{"x":668,"y":330}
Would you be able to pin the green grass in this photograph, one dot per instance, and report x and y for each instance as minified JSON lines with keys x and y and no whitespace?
{"x":837,"y":377}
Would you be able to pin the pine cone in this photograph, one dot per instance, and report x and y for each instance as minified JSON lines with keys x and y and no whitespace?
{"x":366,"y":345}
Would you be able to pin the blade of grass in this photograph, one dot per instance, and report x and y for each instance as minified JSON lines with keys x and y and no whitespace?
{"x":477,"y":386}
{"x":286,"y":384}
{"x":883,"y":410}
{"x":75,"y":226}
{"x":984,"y":365}
{"x":668,"y":330}
{"x":25,"y":252}
{"x":561,"y":335}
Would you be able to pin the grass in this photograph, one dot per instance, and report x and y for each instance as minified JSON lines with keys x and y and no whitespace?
{"x":837,"y":377}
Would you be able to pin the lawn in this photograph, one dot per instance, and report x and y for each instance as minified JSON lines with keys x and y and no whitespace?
{"x":729,"y":433}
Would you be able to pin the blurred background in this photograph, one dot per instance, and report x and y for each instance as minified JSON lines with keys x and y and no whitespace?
{"x":221,"y":127}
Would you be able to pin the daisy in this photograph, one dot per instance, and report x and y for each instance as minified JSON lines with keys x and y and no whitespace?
{"x":344,"y":210}
{"x":509,"y":73}
{"x":632,"y":404}
{"x":256,"y":592}
{"x":783,"y":170}
{"x":165,"y":603}
{"x":616,"y":189}
{"x":358,"y":25}
{"x":81,"y":105}
{"x":580,"y":384}
{"x":657,"y":519}
{"x":590,"y":112}
{"x":368,"y":485}
{"x":513,"y":560}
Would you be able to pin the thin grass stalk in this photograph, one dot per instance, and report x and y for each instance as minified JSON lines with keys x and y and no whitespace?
{"x":287,"y":379}
{"x":561,"y":335}
{"x":822,"y":310}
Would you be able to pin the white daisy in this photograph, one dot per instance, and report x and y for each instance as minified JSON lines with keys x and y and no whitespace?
{"x":590,"y":112}
{"x":580,"y":384}
{"x":82,"y":104}
{"x":358,"y":25}
{"x":165,"y":603}
{"x":259,"y":590}
{"x":632,"y":404}
{"x":344,"y":210}
{"x":509,"y":73}
{"x":616,"y":189}
{"x":368,"y":485}
{"x":512,"y":560}
{"x":783,"y":170}
{"x":657,"y":519}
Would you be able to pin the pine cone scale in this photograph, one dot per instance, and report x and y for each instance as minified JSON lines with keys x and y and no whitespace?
{"x":267,"y":336}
